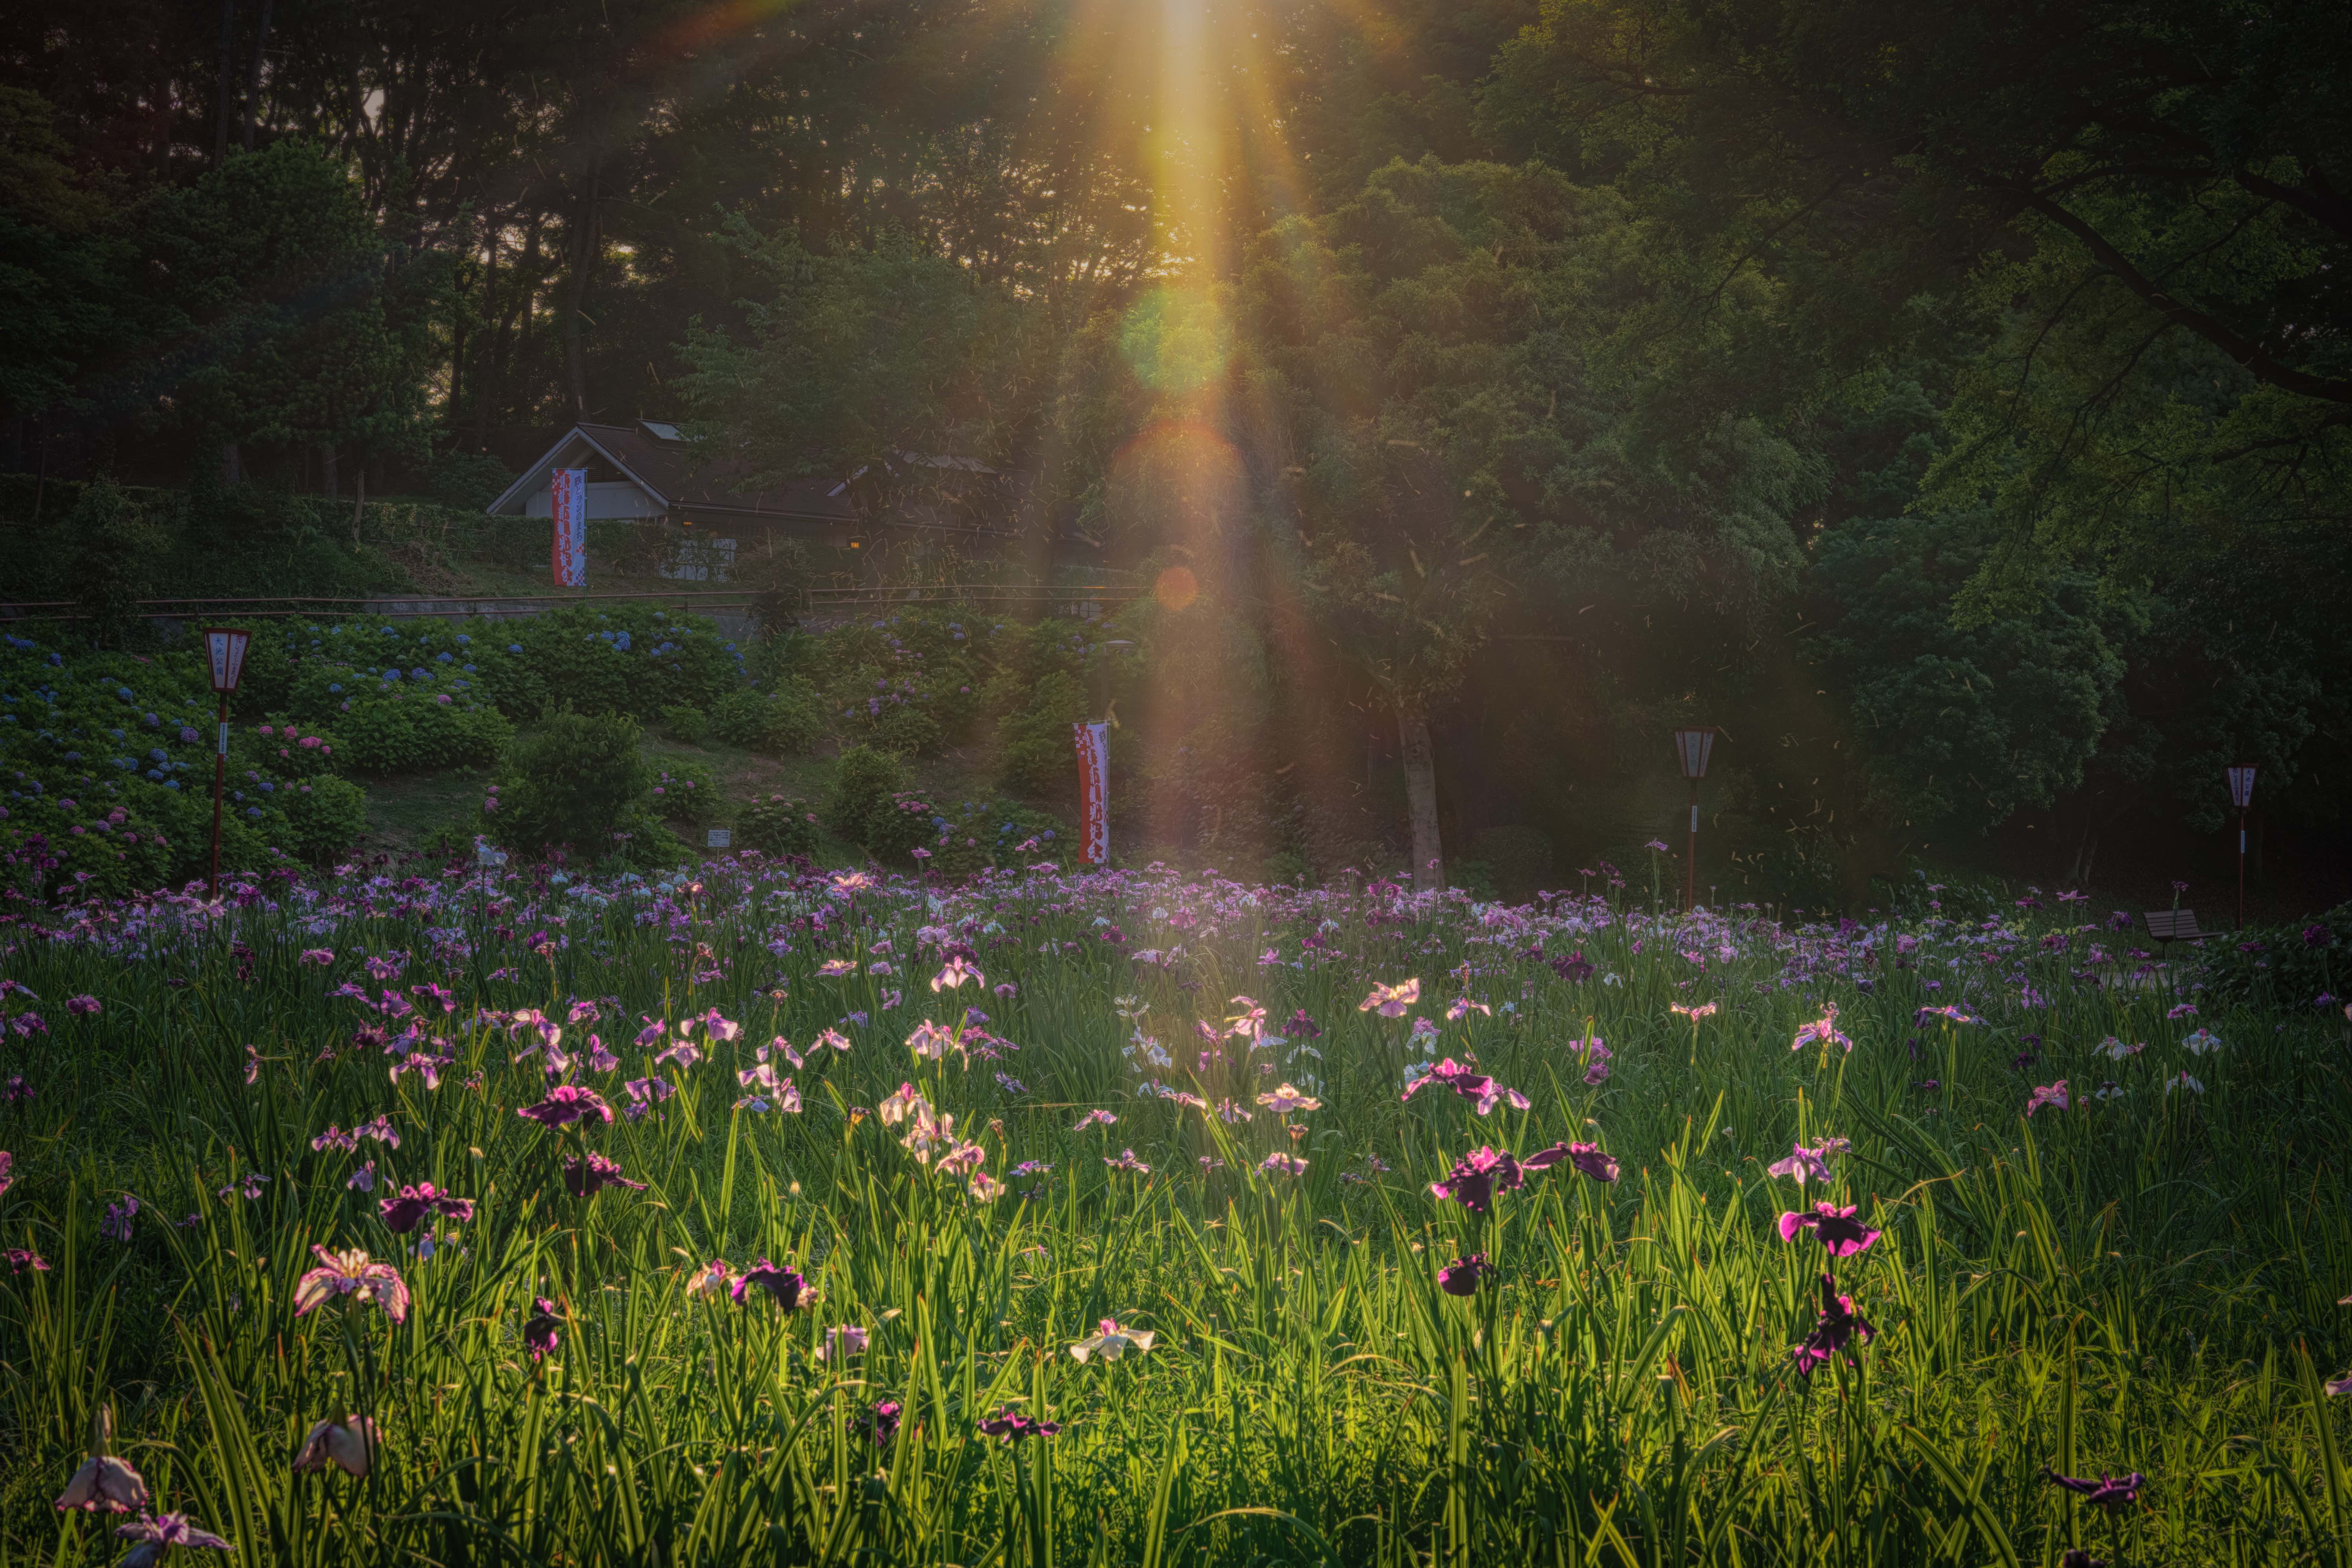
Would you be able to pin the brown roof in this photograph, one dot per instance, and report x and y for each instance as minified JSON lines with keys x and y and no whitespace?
{"x":667,"y":468}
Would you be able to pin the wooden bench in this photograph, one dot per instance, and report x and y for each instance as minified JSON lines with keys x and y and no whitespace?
{"x":2173,"y":925}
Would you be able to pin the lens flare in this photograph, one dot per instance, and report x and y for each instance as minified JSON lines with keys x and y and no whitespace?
{"x":1176,"y":588}
{"x":1176,"y":341}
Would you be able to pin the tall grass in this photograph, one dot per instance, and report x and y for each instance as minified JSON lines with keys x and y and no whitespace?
{"x":2141,"y":1282}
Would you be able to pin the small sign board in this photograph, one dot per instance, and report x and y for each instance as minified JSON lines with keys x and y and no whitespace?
{"x":721,"y":839}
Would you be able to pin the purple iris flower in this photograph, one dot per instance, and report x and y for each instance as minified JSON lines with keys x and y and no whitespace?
{"x":1010,"y":1428}
{"x":586,"y":1178}
{"x":1834,"y":1227}
{"x":881,"y":1423}
{"x":1839,"y":1327}
{"x":1478,"y":1176}
{"x":541,"y":1331}
{"x":1461,"y":1277}
{"x":1574,"y":968}
{"x":565,"y":1104}
{"x":2114,"y":1493}
{"x":400,"y":1214}
{"x":784,"y":1284}
{"x":159,"y":1535}
{"x":1588,"y":1159}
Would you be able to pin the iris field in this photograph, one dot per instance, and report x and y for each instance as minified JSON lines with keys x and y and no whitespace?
{"x":490,"y":1214}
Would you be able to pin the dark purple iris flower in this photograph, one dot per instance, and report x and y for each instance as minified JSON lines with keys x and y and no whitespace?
{"x":1588,"y":1159}
{"x":1835,"y":1227}
{"x":565,"y":1104}
{"x":1010,"y":1428}
{"x":881,"y":1423}
{"x":784,"y":1284}
{"x":402,"y":1214}
{"x":1479,"y":1174}
{"x":541,"y":1333}
{"x":1840,"y":1326}
{"x":2114,"y":1493}
{"x":1461,"y":1277}
{"x":1302,"y":1027}
{"x":1574,"y":968}
{"x":586,"y":1178}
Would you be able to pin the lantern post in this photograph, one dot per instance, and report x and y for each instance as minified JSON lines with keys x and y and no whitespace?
{"x":1692,"y":748}
{"x":225,"y":660}
{"x":2241,"y":796}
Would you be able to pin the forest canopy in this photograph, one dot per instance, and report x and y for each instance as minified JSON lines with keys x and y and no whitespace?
{"x":1959,"y":393}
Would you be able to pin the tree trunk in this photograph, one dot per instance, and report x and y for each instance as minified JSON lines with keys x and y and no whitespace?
{"x":232,"y":465}
{"x":584,"y":257}
{"x":359,"y":502}
{"x":328,"y":484}
{"x":227,"y":82}
{"x":1421,"y":797}
{"x":252,"y":80}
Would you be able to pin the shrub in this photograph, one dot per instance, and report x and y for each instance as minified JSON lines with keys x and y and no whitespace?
{"x":778,"y":826}
{"x":579,"y":779}
{"x":795,"y":721}
{"x":1038,"y":756}
{"x":978,"y":836}
{"x":740,"y":718}
{"x":908,"y":731}
{"x":323,"y":817}
{"x":686,"y":791}
{"x":686,"y":723}
{"x":466,"y":480}
{"x":861,"y":802}
{"x":1519,"y":860}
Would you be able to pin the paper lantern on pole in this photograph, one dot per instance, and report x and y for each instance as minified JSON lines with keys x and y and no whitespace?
{"x":1693,"y":745}
{"x":224,"y":661}
{"x":2241,"y":796}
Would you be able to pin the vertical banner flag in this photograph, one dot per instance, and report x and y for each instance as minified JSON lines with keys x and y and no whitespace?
{"x":567,"y":503}
{"x":1094,"y":794}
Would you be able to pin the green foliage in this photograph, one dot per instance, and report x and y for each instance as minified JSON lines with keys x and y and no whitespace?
{"x":1962,"y":726}
{"x":578,"y":781}
{"x":466,"y":481}
{"x":859,"y":354}
{"x":687,"y":791}
{"x":1035,"y":755}
{"x":861,"y":802}
{"x":777,"y":825}
{"x":107,"y":765}
{"x":971,"y":836}
{"x":113,"y":560}
{"x":686,"y":723}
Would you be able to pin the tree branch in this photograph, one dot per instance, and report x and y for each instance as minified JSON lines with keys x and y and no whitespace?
{"x":2255,"y":359}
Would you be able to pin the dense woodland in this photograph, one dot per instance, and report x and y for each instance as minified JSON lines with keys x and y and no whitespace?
{"x":1953,"y":402}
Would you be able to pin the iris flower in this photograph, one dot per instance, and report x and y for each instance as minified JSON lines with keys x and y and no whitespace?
{"x":1478,"y":1176}
{"x":1823,"y":1030}
{"x":349,"y":1445}
{"x":1833,"y":1227}
{"x":565,"y":1104}
{"x":584,"y":1178}
{"x":400,"y":1214}
{"x":351,"y":1275}
{"x":1111,"y":1341}
{"x":846,"y":1340}
{"x":1461,"y":1277}
{"x":2051,"y":1094}
{"x":881,"y":1423}
{"x":1588,"y":1159}
{"x":785,"y":1285}
{"x":1840,"y":1326}
{"x":1280,"y":1164}
{"x":1012,"y":1428}
{"x":104,"y":1484}
{"x":1095,"y":1119}
{"x":1469,"y":1085}
{"x":1808,"y":1165}
{"x":1288,"y":1101}
{"x":541,"y":1332}
{"x":951,"y":978}
{"x":1390,"y":1001}
{"x":2114,"y":1493}
{"x":162,"y":1534}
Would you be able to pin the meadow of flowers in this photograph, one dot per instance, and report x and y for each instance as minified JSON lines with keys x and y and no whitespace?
{"x":487,"y":1213}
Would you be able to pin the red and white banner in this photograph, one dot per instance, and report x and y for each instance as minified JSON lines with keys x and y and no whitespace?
{"x":567,"y":504}
{"x":1094,"y":794}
